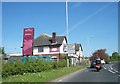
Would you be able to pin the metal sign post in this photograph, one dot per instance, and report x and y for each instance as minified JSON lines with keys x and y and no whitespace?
{"x":69,"y":49}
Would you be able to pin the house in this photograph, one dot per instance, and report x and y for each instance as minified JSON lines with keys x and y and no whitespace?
{"x":46,"y":45}
{"x":76,"y":57}
{"x":53,"y":47}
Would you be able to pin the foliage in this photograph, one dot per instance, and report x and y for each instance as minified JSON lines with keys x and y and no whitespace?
{"x":101,"y":53}
{"x":44,"y":76}
{"x":18,"y":67}
{"x":2,"y":51}
{"x":115,"y":57}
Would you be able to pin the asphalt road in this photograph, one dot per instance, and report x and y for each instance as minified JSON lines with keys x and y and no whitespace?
{"x":109,"y":73}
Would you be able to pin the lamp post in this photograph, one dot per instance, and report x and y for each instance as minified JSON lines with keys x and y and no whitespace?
{"x":67,"y":30}
{"x":89,"y":38}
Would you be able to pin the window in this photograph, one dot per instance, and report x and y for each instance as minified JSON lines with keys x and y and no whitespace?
{"x":40,"y":49}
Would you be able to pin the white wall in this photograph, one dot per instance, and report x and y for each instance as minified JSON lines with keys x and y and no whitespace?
{"x":61,"y":47}
{"x":46,"y":50}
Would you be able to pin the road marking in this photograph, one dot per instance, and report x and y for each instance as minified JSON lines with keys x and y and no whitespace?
{"x":60,"y":80}
{"x":112,"y":68}
{"x":115,"y":70}
{"x":111,"y":71}
{"x":104,"y":68}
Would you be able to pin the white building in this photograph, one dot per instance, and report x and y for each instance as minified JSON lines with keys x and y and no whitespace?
{"x":46,"y":45}
{"x":53,"y":46}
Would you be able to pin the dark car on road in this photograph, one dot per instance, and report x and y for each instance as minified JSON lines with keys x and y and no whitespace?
{"x":93,"y":64}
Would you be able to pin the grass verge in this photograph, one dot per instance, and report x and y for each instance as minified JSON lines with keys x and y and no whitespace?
{"x":44,"y":76}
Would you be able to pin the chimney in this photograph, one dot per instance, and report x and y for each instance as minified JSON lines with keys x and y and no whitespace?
{"x":54,"y":37}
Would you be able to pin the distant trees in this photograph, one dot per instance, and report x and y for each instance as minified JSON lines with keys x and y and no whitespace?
{"x":101,"y":53}
{"x":115,"y":56}
{"x":2,"y":51}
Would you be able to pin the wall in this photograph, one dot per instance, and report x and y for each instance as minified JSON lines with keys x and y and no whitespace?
{"x":61,"y":47}
{"x":46,"y":50}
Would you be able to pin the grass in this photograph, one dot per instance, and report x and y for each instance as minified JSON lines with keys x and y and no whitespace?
{"x":44,"y":76}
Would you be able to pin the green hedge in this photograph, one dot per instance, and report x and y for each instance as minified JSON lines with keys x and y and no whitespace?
{"x":19,"y":67}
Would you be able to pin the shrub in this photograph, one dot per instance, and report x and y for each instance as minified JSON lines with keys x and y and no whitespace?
{"x":19,"y":67}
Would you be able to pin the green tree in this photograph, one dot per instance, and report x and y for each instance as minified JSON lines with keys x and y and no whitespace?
{"x":115,"y":55}
{"x":2,"y":51}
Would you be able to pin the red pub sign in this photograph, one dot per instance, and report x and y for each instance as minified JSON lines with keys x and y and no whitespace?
{"x":28,"y":41}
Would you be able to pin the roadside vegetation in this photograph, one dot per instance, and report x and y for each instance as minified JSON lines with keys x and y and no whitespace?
{"x":44,"y":76}
{"x":20,"y":68}
{"x":114,"y":58}
{"x":101,"y":53}
{"x":39,"y":70}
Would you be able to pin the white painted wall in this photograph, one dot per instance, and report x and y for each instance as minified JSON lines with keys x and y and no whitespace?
{"x":35,"y":50}
{"x":61,"y":47}
{"x":46,"y":49}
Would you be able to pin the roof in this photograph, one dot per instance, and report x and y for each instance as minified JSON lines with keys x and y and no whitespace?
{"x":45,"y":40}
{"x":77,"y":47}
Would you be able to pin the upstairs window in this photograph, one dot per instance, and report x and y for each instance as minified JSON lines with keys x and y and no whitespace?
{"x":40,"y":49}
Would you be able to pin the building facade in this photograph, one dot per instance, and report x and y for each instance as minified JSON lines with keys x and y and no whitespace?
{"x":46,"y":45}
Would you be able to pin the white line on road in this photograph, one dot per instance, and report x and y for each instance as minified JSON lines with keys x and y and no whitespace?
{"x":115,"y":70}
{"x":104,"y":68}
{"x":60,"y":80}
{"x":112,"y":68}
{"x":111,"y":71}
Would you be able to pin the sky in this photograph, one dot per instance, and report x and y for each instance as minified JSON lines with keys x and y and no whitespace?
{"x":92,"y":24}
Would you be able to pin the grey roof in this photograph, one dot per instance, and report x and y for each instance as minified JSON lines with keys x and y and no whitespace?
{"x":77,"y":47}
{"x":45,"y":40}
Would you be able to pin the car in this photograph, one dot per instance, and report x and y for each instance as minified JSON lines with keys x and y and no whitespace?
{"x":93,"y":64}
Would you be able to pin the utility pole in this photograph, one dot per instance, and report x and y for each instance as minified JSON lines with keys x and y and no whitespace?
{"x":67,"y":29}
{"x":89,"y":38}
{"x":67,"y":19}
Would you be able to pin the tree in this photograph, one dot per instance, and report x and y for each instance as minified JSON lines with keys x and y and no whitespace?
{"x":2,"y":51}
{"x":101,"y":53}
{"x":115,"y":55}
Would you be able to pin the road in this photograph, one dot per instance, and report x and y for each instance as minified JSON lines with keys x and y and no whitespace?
{"x":109,"y":73}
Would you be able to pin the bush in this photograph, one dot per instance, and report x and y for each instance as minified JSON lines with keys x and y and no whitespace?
{"x":19,"y":67}
{"x":59,"y":64}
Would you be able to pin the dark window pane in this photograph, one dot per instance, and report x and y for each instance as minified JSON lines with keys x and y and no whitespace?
{"x":40,"y":49}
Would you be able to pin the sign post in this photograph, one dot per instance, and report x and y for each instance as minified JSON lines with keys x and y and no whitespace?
{"x":28,"y":38}
{"x":69,"y":49}
{"x":65,"y":50}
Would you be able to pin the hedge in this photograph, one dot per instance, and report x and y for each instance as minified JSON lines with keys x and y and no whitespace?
{"x":19,"y":68}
